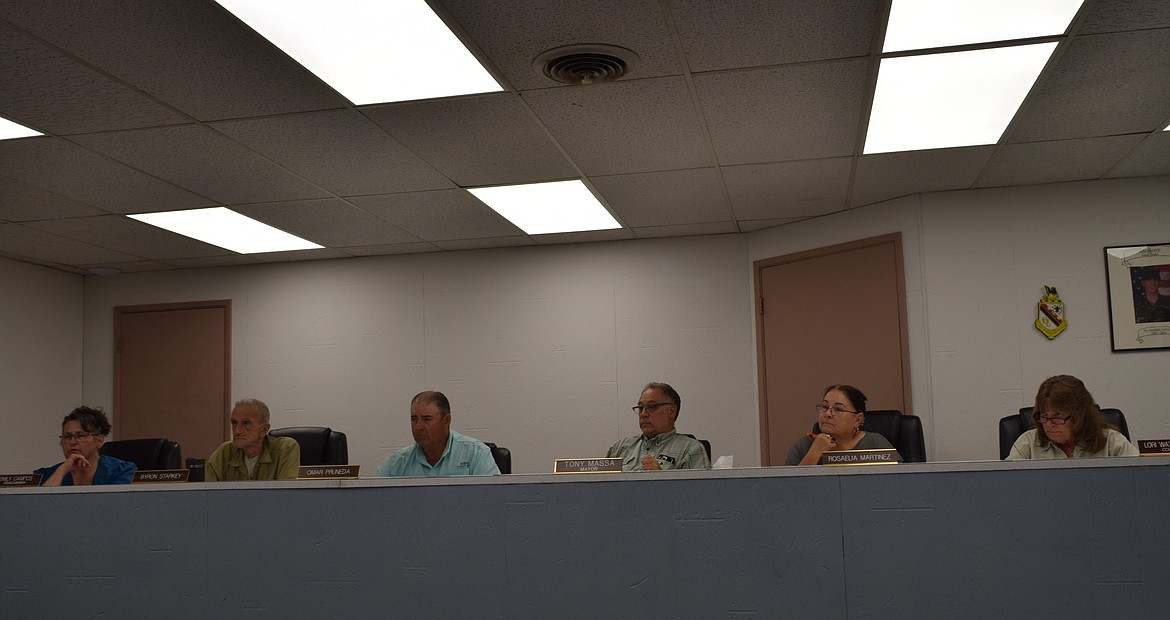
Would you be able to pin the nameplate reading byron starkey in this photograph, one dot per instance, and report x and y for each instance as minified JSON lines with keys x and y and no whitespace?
{"x":1154,"y":447}
{"x":153,"y":476}
{"x":885,"y":456}
{"x":602,"y":465}
{"x":318,"y":472}
{"x":20,"y":480}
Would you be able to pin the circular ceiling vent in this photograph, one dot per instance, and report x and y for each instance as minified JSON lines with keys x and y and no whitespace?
{"x":586,"y":64}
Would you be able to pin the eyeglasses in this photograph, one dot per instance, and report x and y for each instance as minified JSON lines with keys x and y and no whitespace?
{"x":649,"y":407}
{"x":1054,"y":418}
{"x":78,"y":436}
{"x":825,"y":409}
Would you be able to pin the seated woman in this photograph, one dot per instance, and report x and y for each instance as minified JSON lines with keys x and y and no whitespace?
{"x":1068,"y":425}
{"x":83,"y":432}
{"x":840,"y":415}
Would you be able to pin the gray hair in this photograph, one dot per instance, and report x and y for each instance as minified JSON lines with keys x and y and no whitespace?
{"x":258,"y":404}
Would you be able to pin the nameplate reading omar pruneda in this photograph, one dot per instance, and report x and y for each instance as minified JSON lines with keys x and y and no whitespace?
{"x":885,"y":456}
{"x":20,"y":480}
{"x":1154,"y":447}
{"x":327,"y":472}
{"x":154,"y":476}
{"x":604,"y":465}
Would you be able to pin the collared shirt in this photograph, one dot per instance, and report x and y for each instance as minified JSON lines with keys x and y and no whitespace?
{"x":671,"y":450}
{"x":1025,"y":448}
{"x":463,"y":456}
{"x":109,"y":471}
{"x":280,"y":457}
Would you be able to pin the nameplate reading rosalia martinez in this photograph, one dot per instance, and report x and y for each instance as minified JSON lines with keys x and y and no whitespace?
{"x":885,"y":456}
{"x":20,"y":480}
{"x":153,"y":476}
{"x":318,"y":472}
{"x":1154,"y":447}
{"x":603,"y":465}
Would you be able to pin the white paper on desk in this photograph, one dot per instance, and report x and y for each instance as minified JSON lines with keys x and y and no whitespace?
{"x":723,"y":462}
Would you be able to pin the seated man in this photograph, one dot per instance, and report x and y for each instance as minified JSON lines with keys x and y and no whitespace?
{"x":659,"y":447}
{"x":252,"y":454}
{"x":438,"y":450}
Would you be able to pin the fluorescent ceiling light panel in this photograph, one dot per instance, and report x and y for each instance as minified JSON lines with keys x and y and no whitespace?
{"x":922,"y":24}
{"x":370,"y":51}
{"x":9,"y":130}
{"x":227,"y":229}
{"x":543,"y":208}
{"x":956,"y":99}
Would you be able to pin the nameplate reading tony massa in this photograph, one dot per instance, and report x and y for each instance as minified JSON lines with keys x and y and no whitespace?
{"x":20,"y":480}
{"x":588,"y":466}
{"x":327,"y":472}
{"x":1154,"y":447}
{"x":150,"y":476}
{"x":887,"y":456}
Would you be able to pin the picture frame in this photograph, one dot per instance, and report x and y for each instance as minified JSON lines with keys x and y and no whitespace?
{"x":1138,"y":281}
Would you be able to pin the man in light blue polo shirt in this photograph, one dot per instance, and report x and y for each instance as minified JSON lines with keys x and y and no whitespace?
{"x":438,"y":450}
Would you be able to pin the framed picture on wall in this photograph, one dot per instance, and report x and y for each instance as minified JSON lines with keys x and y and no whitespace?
{"x":1139,"y":296}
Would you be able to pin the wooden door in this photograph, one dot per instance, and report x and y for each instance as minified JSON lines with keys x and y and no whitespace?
{"x":172,"y":374}
{"x":827,"y":316}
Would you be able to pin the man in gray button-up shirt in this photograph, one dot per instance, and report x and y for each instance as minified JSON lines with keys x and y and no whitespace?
{"x":659,"y":446}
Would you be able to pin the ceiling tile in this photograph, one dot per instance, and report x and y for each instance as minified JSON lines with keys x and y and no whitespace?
{"x":121,"y":233}
{"x":296,"y":255}
{"x":722,"y":35}
{"x":714,"y":228}
{"x":18,"y":239}
{"x":138,"y":266}
{"x":393,"y":248}
{"x":788,"y":189}
{"x":1055,"y":162}
{"x":798,"y":112}
{"x":889,"y":175}
{"x":1103,"y":85}
{"x":1151,"y":157}
{"x":78,"y":173}
{"x":614,"y":234}
{"x":21,"y":202}
{"x":340,"y":150}
{"x":512,"y":33}
{"x":485,"y":243}
{"x":331,"y":222}
{"x":676,"y":196}
{"x":628,"y":126}
{"x":754,"y":225}
{"x":1119,"y":15}
{"x":228,"y":260}
{"x":439,"y":216}
{"x":204,"y":162}
{"x":481,"y":140}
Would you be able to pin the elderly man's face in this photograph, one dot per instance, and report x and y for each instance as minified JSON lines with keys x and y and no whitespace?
{"x":429,"y":426}
{"x":658,"y":412}
{"x":247,"y":430}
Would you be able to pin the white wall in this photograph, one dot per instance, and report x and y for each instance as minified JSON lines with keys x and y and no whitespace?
{"x":976,"y":265}
{"x":542,"y":350}
{"x":40,"y":361}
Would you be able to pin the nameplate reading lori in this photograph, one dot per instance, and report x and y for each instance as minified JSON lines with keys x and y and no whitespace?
{"x":603,"y":465}
{"x":318,"y":472}
{"x":20,"y":480}
{"x":885,"y":456}
{"x":1154,"y":447}
{"x":153,"y":476}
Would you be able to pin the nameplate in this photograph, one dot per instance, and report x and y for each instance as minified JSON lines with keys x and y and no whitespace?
{"x":318,"y":472}
{"x":885,"y":456}
{"x":153,"y":476}
{"x":20,"y":480}
{"x":1154,"y":447}
{"x":604,"y":465}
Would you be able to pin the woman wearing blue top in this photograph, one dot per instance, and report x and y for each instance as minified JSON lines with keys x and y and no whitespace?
{"x":83,"y":432}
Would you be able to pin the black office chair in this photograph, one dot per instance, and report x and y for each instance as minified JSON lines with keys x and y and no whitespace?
{"x":1016,"y":424}
{"x":320,"y":445}
{"x":502,"y":456}
{"x":904,"y":432}
{"x":146,"y":453}
{"x":706,"y":445}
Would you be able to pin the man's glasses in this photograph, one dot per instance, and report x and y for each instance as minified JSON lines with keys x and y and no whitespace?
{"x":838,"y":410}
{"x":78,"y":436}
{"x":649,"y":407}
{"x":1052,"y":418}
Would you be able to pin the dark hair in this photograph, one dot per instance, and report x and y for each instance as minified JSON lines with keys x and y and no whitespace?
{"x":856,"y":398}
{"x":1068,"y":395}
{"x":670,"y":393}
{"x":438,"y":398}
{"x":91,"y":419}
